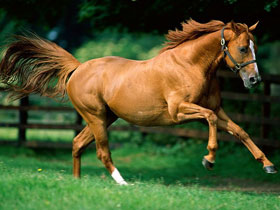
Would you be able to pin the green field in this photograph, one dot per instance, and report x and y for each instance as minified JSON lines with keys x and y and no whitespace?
{"x":162,"y":178}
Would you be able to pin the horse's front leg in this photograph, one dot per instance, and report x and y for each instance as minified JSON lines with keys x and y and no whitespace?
{"x":226,"y":124}
{"x":188,"y":111}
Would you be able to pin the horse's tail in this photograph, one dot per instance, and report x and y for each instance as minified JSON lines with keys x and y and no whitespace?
{"x":34,"y":65}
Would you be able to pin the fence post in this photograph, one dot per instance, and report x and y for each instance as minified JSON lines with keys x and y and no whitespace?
{"x":23,"y":116}
{"x":265,"y":111}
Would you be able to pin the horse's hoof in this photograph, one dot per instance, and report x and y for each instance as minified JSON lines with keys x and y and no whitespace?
{"x":270,"y":169}
{"x":208,"y":165}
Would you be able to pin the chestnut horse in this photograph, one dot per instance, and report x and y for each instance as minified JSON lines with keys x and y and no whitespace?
{"x":176,"y":86}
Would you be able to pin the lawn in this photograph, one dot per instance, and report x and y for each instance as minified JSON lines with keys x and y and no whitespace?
{"x":162,"y":177}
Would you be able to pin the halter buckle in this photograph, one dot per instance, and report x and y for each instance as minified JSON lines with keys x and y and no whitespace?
{"x":238,"y":66}
{"x":223,"y":41}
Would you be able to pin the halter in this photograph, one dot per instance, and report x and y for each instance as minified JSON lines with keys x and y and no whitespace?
{"x":237,"y":66}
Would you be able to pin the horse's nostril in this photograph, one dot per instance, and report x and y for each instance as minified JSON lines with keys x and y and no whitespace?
{"x":253,"y":80}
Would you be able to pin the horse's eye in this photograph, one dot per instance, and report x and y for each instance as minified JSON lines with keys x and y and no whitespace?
{"x":243,"y":49}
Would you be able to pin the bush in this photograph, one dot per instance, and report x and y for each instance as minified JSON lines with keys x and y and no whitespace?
{"x":127,"y":45}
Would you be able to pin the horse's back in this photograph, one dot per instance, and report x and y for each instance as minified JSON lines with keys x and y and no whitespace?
{"x":93,"y":70}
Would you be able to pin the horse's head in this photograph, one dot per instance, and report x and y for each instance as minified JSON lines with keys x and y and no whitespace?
{"x":240,"y":52}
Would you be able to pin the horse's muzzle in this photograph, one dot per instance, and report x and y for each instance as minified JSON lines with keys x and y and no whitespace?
{"x":251,"y":81}
{"x":254,"y":80}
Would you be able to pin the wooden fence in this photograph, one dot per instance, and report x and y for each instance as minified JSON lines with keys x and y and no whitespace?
{"x":264,"y":120}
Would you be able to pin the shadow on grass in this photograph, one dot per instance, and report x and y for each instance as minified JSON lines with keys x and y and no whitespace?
{"x":192,"y":173}
{"x":170,"y":176}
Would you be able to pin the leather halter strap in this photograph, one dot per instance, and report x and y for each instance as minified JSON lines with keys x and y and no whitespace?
{"x":237,"y":66}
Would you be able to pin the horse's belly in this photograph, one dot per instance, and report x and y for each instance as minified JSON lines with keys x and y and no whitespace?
{"x":142,"y":115}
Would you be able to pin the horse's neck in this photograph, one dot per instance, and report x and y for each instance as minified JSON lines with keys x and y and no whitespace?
{"x":204,"y":53}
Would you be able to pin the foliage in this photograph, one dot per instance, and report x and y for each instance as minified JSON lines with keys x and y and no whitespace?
{"x":77,"y":20}
{"x":161,"y":181}
{"x":32,"y":12}
{"x":6,"y":27}
{"x":128,"y":45}
{"x":161,"y":15}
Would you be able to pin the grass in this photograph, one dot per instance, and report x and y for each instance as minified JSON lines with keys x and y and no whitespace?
{"x":163,"y":178}
{"x":11,"y":134}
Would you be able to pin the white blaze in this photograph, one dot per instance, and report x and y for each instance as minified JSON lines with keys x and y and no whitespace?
{"x":254,"y":56}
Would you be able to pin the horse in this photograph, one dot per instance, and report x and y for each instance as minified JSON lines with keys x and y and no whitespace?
{"x":174,"y":87}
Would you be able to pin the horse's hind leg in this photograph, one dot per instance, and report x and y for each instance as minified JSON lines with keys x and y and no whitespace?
{"x":98,"y":127}
{"x":80,"y":142}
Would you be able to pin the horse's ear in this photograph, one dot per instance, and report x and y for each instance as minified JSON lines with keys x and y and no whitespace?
{"x":253,"y":27}
{"x":234,"y":27}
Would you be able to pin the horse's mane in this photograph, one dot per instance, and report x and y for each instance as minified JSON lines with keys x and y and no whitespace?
{"x":191,"y":30}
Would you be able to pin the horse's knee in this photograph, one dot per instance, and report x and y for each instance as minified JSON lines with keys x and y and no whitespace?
{"x":211,"y":117}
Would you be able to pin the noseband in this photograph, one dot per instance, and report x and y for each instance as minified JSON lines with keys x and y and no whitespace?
{"x":237,"y":66}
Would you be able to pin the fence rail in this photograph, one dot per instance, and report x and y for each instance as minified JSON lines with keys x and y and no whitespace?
{"x":264,"y":120}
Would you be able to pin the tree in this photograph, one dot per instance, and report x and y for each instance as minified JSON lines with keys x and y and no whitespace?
{"x":79,"y":18}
